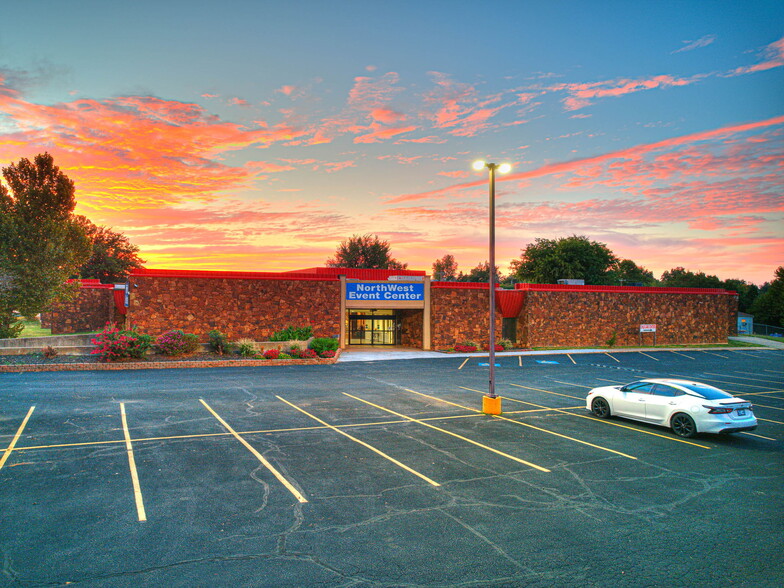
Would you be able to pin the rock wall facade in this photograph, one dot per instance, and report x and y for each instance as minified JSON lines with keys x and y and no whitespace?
{"x":252,"y":308}
{"x":585,"y":319}
{"x":89,"y":311}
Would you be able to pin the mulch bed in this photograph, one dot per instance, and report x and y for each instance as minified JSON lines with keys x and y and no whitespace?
{"x":36,"y":362}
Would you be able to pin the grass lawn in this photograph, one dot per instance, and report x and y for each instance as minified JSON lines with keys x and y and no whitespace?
{"x":33,"y":329}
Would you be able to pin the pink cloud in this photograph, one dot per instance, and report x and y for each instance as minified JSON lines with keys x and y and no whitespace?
{"x":773,"y":56}
{"x":379,"y":133}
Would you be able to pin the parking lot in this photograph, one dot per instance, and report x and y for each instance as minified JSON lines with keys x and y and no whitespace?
{"x":387,"y":474}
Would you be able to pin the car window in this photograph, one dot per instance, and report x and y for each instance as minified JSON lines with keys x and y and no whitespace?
{"x":638,"y":387}
{"x":663,"y":390}
{"x":708,"y":392}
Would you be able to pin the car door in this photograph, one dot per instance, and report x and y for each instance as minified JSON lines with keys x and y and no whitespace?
{"x":631,"y":399}
{"x":660,"y":402}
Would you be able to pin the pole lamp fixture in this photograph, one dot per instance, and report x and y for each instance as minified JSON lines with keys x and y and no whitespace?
{"x":491,"y":403}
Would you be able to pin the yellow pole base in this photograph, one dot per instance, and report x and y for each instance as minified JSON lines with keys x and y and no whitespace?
{"x":491,"y":405}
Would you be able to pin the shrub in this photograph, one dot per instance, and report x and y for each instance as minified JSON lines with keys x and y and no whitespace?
{"x":218,"y":342}
{"x":506,"y":344}
{"x":271,"y":354}
{"x":176,"y":342}
{"x":463,"y":348}
{"x":297,"y":353}
{"x":322,"y":344}
{"x":246,"y":347}
{"x":49,"y":352}
{"x":498,"y":347}
{"x":284,"y":356}
{"x":328,"y":354}
{"x":293,"y":334}
{"x":112,"y":344}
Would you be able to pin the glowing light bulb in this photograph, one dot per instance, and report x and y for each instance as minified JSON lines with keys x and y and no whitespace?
{"x":478,"y":164}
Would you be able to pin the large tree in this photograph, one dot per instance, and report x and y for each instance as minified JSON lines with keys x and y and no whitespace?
{"x":548,"y":260}
{"x":679,"y":277}
{"x":445,"y":269}
{"x":112,"y":256}
{"x":627,"y":272}
{"x":41,"y":243}
{"x":364,"y":251}
{"x":481,"y":273}
{"x":768,"y":308}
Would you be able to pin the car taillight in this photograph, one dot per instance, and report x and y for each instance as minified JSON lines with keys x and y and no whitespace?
{"x":718,"y":409}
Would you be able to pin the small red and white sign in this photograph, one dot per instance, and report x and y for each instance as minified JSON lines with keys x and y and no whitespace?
{"x":647,"y":328}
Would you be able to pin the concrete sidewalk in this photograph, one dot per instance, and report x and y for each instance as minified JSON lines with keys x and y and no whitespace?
{"x":370,"y":354}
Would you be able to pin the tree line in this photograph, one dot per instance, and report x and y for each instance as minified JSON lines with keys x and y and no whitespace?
{"x":545,"y":261}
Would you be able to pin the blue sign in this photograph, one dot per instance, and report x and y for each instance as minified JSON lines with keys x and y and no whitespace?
{"x":392,"y":291}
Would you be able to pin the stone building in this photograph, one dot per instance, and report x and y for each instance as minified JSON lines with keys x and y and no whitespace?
{"x":406,"y":308}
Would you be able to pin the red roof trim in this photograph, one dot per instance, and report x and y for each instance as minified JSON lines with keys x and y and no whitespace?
{"x":621,"y":289}
{"x":92,"y":284}
{"x":224,"y":275}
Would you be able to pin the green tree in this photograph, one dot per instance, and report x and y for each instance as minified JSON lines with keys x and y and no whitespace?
{"x":627,"y":272}
{"x":445,"y":269}
{"x":113,"y":257}
{"x":681,"y":278}
{"x":768,"y":308}
{"x":41,"y":243}
{"x":548,"y":260}
{"x":480,"y":273}
{"x":364,"y":251}
{"x":747,"y":293}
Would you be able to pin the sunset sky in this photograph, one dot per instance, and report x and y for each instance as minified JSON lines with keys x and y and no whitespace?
{"x":256,"y":135}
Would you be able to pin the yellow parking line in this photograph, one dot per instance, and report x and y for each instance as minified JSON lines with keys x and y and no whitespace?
{"x":582,"y":416}
{"x":770,"y":421}
{"x":756,"y":377}
{"x":546,"y":391}
{"x":611,"y":357}
{"x":724,"y":382}
{"x":683,"y":354}
{"x":570,"y":357}
{"x":570,"y":384}
{"x":530,"y":426}
{"x":766,"y":406}
{"x":760,"y":436}
{"x":465,"y":362}
{"x":289,"y":486}
{"x":10,"y":448}
{"x":716,"y":354}
{"x":373,"y":449}
{"x":646,"y":355}
{"x":137,"y":489}
{"x":520,"y":360}
{"x":466,"y":439}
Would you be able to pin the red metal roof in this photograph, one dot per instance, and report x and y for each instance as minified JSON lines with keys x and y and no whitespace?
{"x":621,"y":289}
{"x":316,"y":273}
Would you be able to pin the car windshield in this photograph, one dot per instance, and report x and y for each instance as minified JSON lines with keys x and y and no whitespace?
{"x":708,"y":392}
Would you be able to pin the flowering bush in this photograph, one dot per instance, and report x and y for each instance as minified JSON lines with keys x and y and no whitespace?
{"x":112,"y":344}
{"x":271,"y":354}
{"x":328,"y":354}
{"x":462,"y":348}
{"x":176,"y":342}
{"x":302,"y":353}
{"x":498,"y":347}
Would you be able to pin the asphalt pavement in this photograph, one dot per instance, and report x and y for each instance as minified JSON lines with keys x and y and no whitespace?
{"x":368,"y":473}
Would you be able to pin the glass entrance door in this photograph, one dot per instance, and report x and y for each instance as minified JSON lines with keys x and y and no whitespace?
{"x":372,"y":327}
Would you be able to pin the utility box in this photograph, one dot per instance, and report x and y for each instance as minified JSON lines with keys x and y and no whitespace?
{"x":572,"y":282}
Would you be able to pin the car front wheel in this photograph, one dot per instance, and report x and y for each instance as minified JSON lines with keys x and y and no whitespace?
{"x":600,"y":408}
{"x":683,"y":425}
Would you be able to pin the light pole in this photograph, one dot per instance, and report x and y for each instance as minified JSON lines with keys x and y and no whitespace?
{"x":491,"y":403}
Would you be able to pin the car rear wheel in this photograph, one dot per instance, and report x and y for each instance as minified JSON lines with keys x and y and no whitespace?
{"x":600,"y":408}
{"x":683,"y":425}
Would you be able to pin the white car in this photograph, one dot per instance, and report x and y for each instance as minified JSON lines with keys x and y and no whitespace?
{"x":687,"y":407}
